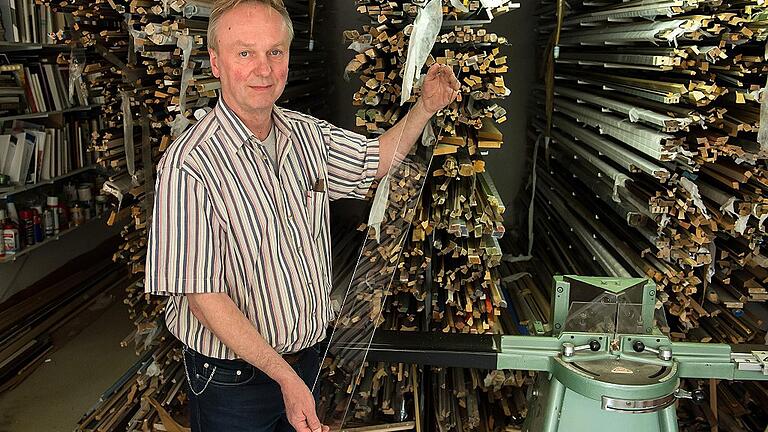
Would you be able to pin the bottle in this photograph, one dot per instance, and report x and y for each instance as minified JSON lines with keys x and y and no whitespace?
{"x":101,"y":205}
{"x":48,"y":221}
{"x":27,"y":229}
{"x":37,"y":224}
{"x":78,"y":216}
{"x":85,"y":197}
{"x":11,"y":243}
{"x":70,"y":192}
{"x":53,"y":206}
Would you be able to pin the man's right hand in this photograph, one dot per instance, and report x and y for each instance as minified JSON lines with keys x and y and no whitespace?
{"x":300,"y":406}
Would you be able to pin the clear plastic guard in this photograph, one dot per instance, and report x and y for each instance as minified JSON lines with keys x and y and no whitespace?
{"x":660,"y":320}
{"x":611,"y":313}
{"x":629,"y":319}
{"x":591,"y":317}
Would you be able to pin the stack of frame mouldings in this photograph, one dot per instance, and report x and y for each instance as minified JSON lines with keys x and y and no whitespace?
{"x":445,"y":274}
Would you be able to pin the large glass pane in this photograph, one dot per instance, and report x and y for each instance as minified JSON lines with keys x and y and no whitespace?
{"x":361,"y":304}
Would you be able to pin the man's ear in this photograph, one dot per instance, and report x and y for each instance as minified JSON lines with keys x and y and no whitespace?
{"x":214,"y":62}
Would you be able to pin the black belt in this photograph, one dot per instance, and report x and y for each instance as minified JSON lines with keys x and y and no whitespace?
{"x":290,"y":358}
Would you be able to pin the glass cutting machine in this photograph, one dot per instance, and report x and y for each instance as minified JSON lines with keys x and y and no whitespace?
{"x":609,"y":363}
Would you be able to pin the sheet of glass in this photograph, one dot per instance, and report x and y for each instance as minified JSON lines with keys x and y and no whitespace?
{"x":369,"y":286}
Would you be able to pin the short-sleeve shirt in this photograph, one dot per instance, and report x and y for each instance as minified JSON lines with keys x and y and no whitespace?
{"x":228,"y":220}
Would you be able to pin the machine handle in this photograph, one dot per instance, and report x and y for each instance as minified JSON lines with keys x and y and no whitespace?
{"x":697,"y":396}
{"x":664,"y":353}
{"x":569,"y":349}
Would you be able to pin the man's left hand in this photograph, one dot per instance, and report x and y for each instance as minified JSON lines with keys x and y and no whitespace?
{"x":440,"y":88}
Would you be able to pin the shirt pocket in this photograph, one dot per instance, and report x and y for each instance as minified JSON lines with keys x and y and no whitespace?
{"x":316,"y":212}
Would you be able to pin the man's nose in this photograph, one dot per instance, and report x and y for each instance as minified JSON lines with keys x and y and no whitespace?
{"x":262,"y":68}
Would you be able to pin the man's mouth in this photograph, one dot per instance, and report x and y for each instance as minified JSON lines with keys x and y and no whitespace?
{"x":260,"y":87}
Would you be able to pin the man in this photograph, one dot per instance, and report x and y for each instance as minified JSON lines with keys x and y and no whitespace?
{"x":240,"y":238}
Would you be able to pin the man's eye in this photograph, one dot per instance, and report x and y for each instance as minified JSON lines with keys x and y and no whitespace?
{"x":276,"y":52}
{"x":243,"y":53}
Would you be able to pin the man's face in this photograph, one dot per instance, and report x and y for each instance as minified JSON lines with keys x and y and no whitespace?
{"x":252,"y":57}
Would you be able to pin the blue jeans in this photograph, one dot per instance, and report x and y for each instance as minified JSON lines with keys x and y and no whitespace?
{"x":239,"y":397}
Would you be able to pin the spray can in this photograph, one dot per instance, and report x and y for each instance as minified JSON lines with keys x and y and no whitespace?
{"x":48,"y":221}
{"x":27,"y":229}
{"x":37,"y":224}
{"x":53,"y":206}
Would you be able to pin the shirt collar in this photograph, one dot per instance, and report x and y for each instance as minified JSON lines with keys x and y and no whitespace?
{"x":235,"y":128}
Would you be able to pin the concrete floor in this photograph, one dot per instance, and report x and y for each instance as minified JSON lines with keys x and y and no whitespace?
{"x":60,"y":391}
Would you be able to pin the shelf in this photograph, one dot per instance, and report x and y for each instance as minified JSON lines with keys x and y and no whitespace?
{"x":6,"y":192}
{"x":6,"y":46}
{"x":28,"y":249}
{"x":47,"y":113}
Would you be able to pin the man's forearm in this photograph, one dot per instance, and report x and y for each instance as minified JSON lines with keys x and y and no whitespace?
{"x":405,"y":133}
{"x":219,"y":314}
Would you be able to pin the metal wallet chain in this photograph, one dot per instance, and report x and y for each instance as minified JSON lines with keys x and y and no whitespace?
{"x":189,"y":381}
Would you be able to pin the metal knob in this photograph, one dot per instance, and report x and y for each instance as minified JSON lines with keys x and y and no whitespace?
{"x":568,"y":349}
{"x":665,"y":353}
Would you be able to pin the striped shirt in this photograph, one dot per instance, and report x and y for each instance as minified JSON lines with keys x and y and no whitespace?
{"x":226,"y":219}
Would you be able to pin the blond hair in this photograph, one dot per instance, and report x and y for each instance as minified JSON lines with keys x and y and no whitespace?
{"x":221,"y":7}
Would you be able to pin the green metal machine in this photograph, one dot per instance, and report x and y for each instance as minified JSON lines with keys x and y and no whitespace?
{"x":608,"y":364}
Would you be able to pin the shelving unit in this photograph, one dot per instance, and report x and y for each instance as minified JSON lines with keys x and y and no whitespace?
{"x":5,"y":192}
{"x":47,"y":242}
{"x":37,"y":69}
{"x":6,"y":46}
{"x":48,"y":113}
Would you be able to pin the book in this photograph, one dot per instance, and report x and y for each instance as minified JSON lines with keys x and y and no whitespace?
{"x":21,"y":15}
{"x":22,"y":157}
{"x":44,"y":86}
{"x":5,"y":148}
{"x":6,"y":12}
{"x":33,"y":21}
{"x":37,"y":91}
{"x":53,"y":87}
{"x":39,"y":139}
{"x":9,"y":153}
{"x":62,"y":85}
{"x":47,"y":171}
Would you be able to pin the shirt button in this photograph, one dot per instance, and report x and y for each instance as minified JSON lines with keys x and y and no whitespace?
{"x":300,"y":249}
